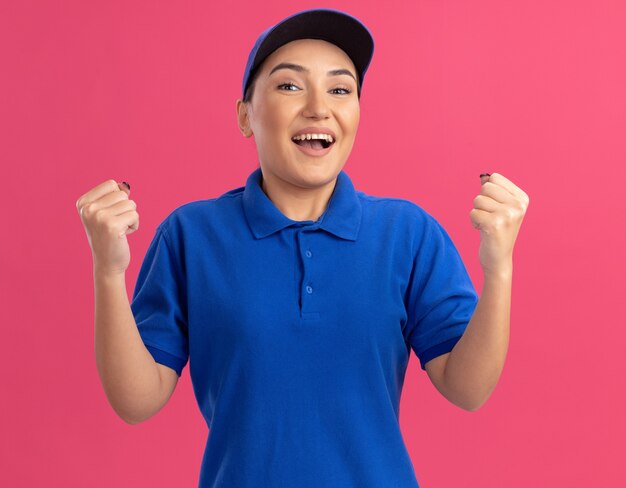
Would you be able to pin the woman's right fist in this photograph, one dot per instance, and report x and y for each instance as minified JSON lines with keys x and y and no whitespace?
{"x":108,"y":216}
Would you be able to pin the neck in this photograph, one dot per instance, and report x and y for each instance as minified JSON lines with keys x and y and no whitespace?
{"x":297,"y":203}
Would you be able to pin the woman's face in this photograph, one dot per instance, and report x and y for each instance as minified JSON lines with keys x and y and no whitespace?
{"x":311,"y":94}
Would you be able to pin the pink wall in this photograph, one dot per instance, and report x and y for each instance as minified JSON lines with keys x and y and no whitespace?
{"x":145,"y":92}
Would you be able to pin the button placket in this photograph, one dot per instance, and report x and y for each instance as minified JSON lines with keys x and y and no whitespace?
{"x":308,"y":278}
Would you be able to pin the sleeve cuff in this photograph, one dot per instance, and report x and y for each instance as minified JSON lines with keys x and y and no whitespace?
{"x":167,"y":359}
{"x":437,"y":350}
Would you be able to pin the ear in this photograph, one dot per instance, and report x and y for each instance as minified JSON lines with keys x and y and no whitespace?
{"x":242,"y":118}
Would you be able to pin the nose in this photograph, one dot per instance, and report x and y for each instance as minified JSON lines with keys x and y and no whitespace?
{"x":316,"y":106}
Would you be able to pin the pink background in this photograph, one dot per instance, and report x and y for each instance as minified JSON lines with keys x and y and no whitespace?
{"x":145,"y":92}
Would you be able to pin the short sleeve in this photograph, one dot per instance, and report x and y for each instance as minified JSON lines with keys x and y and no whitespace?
{"x":158,"y":304}
{"x":440,"y":297}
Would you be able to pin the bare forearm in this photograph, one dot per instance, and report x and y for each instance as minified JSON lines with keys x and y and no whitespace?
{"x":128,"y":372}
{"x":476,"y":361}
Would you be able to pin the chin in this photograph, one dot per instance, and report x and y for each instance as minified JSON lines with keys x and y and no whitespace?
{"x":310,"y":176}
{"x":320,"y":170}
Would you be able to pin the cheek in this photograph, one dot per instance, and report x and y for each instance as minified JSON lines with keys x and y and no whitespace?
{"x":263,"y":124}
{"x":352,"y":122}
{"x":357,"y":117}
{"x":274,"y":120}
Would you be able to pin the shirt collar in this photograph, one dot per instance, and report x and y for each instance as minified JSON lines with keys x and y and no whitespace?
{"x":342,"y":216}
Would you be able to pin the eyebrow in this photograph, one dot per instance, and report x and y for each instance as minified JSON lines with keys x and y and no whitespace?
{"x":300,"y":68}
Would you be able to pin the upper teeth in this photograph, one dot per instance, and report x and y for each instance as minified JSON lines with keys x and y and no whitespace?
{"x":302,"y":137}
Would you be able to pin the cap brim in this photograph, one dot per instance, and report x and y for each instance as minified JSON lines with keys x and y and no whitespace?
{"x":329,"y":25}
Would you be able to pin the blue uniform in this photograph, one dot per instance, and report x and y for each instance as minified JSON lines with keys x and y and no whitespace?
{"x":298,"y":333}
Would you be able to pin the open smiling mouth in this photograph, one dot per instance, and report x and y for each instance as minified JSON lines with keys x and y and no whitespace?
{"x":314,"y":144}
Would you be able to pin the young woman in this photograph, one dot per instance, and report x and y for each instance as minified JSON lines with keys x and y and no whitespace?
{"x":297,"y":299}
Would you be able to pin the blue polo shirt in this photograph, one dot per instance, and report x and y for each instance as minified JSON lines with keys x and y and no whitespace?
{"x":298,"y":333}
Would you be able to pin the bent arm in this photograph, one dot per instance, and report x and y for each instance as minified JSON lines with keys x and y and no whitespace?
{"x":474,"y":365}
{"x":136,"y":386}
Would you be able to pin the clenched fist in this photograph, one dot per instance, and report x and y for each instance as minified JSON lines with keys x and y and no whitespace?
{"x":109,"y":216}
{"x":498,"y":213}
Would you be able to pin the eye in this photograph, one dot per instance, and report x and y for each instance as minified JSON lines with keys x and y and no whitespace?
{"x":287,"y":84}
{"x":346,"y":90}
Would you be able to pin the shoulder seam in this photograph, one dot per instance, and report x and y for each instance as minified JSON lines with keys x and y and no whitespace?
{"x":203,"y":200}
{"x":163,"y":228}
{"x":380,"y":198}
{"x":173,"y":213}
{"x":405,"y":201}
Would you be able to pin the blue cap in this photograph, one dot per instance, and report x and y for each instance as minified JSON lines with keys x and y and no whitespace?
{"x":334,"y":26}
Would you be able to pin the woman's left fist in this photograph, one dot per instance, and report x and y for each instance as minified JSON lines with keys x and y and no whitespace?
{"x":498,"y":213}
